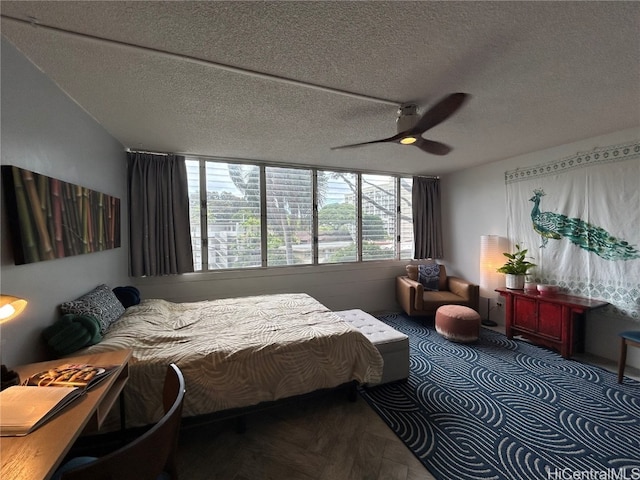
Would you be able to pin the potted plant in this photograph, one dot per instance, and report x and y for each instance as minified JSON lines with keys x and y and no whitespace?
{"x":516,"y":268}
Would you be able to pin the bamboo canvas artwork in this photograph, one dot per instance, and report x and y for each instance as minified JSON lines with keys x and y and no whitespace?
{"x":49,"y":218}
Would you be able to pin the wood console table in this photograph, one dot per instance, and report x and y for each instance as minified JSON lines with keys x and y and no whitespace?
{"x":37,"y":455}
{"x":555,"y":321}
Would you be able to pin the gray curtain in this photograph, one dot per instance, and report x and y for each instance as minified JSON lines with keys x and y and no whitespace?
{"x":427,"y":220}
{"x":159,"y":230}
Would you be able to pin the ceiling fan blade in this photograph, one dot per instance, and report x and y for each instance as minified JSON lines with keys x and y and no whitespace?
{"x":432,"y":117}
{"x":390,"y":139}
{"x":439,"y":112}
{"x":434,"y":148}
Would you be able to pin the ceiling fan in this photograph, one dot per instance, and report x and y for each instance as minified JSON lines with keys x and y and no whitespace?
{"x":411,"y":128}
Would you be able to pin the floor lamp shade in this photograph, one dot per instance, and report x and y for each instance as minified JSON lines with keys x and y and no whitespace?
{"x":491,"y":258}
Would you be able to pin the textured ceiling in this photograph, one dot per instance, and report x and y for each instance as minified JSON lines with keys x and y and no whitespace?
{"x":540,"y":74}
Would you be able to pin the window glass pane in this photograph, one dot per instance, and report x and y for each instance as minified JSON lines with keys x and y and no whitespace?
{"x":337,"y":219}
{"x":378,"y":217}
{"x":406,"y":218}
{"x":193,"y":182}
{"x":289,"y":216}
{"x":233,"y":215}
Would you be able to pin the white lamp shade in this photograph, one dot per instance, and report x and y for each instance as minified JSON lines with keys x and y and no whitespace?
{"x":491,"y":258}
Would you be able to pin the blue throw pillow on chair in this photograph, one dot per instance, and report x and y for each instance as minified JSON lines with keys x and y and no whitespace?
{"x":429,"y":276}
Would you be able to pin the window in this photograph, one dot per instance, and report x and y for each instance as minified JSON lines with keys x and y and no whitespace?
{"x":193,"y":182}
{"x":289,"y":216}
{"x":247,"y":215}
{"x":231,"y":213}
{"x":337,"y":217}
{"x":379,"y":208}
{"x":406,"y":218}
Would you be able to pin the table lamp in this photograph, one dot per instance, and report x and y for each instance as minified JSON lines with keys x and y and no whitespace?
{"x":10,"y":307}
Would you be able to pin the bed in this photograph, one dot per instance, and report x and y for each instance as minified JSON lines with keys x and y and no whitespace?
{"x":237,"y":352}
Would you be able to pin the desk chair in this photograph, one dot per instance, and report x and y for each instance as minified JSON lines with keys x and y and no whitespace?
{"x":626,"y":338}
{"x":150,"y":456}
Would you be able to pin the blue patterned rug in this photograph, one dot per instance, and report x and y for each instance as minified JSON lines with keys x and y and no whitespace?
{"x":505,"y":409}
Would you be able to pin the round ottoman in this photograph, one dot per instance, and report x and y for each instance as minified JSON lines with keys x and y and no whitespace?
{"x":458,"y":323}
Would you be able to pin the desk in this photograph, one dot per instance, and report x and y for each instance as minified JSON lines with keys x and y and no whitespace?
{"x":555,"y":321}
{"x":37,"y":455}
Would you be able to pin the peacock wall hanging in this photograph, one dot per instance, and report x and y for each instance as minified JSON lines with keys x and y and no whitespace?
{"x":556,"y":226}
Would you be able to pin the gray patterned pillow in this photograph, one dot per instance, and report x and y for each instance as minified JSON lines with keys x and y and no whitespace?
{"x":100,"y":302}
{"x":429,"y":276}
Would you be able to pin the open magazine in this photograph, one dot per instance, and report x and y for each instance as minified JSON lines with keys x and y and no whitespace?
{"x":71,"y":375}
{"x":23,"y":408}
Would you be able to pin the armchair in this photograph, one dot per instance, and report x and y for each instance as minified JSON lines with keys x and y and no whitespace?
{"x":416,"y":301}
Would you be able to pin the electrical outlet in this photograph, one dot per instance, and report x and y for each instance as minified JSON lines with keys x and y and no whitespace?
{"x":498,"y":304}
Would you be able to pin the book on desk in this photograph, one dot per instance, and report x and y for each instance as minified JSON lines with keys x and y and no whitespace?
{"x":23,"y":408}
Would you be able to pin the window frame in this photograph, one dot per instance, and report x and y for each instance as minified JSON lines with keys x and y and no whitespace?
{"x":314,"y":171}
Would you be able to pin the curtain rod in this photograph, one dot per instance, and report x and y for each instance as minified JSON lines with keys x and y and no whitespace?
{"x":128,"y":150}
{"x":199,"y":61}
{"x":278,"y":164}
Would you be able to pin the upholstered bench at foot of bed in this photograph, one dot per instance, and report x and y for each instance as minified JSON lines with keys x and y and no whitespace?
{"x":392,"y":345}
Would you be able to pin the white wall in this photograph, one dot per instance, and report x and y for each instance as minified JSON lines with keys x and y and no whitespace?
{"x":369,"y":286}
{"x":46,"y":132}
{"x":474,"y":204}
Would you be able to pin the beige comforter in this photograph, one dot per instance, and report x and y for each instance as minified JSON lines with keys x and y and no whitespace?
{"x":237,"y":352}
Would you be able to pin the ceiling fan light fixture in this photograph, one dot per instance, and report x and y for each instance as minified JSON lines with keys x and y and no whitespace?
{"x":411,"y":127}
{"x":407,"y":117}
